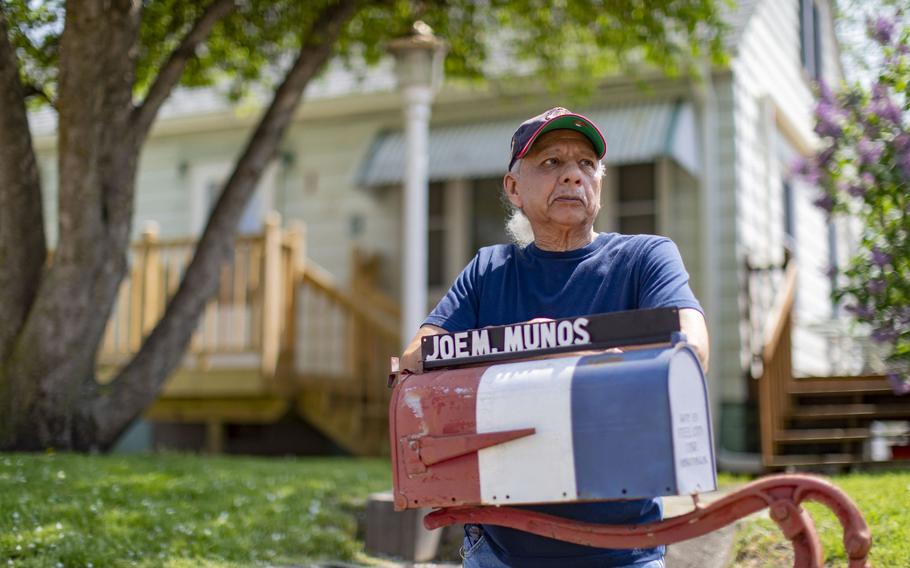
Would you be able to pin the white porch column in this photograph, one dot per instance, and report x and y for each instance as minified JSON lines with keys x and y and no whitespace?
{"x":417,"y":101}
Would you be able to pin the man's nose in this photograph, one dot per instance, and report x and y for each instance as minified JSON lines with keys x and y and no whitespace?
{"x":572,"y":174}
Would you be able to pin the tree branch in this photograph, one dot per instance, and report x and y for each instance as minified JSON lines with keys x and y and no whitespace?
{"x":137,"y":385}
{"x":32,"y":90}
{"x":170,"y":73}
{"x":22,"y":245}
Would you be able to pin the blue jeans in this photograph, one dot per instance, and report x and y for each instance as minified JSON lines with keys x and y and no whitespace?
{"x":477,"y":553}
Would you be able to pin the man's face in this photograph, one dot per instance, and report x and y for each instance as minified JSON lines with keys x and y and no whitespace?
{"x":557,"y":185}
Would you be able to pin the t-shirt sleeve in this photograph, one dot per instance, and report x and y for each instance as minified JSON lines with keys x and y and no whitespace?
{"x":457,"y":310}
{"x":664,"y":282}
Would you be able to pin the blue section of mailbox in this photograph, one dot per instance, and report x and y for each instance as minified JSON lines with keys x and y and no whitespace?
{"x":622,"y":425}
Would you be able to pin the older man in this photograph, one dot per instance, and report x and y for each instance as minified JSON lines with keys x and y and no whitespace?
{"x":563,"y":268}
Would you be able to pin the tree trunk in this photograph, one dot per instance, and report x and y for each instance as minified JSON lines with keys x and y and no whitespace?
{"x":49,"y":390}
{"x":22,"y":246}
{"x":53,"y":360}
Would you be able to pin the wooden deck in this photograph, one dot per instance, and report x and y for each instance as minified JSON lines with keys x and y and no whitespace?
{"x":281,"y":336}
{"x":815,"y":421}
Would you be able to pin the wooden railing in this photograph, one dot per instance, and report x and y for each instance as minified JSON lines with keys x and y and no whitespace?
{"x":776,"y":358}
{"x":343,"y":352}
{"x":251,"y":314}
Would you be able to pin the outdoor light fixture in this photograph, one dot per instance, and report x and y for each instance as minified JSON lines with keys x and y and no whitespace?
{"x":419,"y":71}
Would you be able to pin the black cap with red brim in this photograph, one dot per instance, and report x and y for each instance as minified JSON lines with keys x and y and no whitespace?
{"x":555,"y":119}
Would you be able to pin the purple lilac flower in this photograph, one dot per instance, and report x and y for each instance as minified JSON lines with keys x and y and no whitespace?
{"x":866,"y":313}
{"x":879,"y":257}
{"x":867,"y":179}
{"x":825,"y":94}
{"x":862,"y":312}
{"x":857,"y":190}
{"x":903,"y":48}
{"x":883,"y":30}
{"x":826,"y":120}
{"x":824,"y":201}
{"x":900,"y":385}
{"x":904,"y":162}
{"x":812,"y":175}
{"x":883,"y":106}
{"x":884,"y":335}
{"x":902,"y":142}
{"x":869,"y":152}
{"x":824,"y":157}
{"x":877,"y":286}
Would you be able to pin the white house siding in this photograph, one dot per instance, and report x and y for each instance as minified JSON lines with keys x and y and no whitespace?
{"x":727,"y":314}
{"x":769,"y":81}
{"x":321,"y":190}
{"x":683,"y":224}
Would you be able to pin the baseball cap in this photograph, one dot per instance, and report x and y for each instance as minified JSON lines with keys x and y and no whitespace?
{"x":554,"y":119}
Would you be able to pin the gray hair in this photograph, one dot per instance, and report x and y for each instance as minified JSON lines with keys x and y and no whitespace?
{"x":518,"y":226}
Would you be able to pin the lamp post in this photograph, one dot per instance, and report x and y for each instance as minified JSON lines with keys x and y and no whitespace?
{"x":418,"y":69}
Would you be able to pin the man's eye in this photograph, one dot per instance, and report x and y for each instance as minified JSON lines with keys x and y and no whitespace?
{"x":589,"y":164}
{"x":551,"y":162}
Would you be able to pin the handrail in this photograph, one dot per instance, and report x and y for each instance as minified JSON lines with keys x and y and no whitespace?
{"x":776,"y":364}
{"x":323,"y":280}
{"x":783,"y":305}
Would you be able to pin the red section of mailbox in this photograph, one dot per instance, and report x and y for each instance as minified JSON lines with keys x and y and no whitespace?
{"x":425,"y":409}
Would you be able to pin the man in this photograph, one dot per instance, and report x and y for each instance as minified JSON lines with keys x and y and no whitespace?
{"x":563,"y":268}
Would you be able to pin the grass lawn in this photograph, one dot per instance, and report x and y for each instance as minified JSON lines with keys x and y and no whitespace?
{"x":883,"y":498}
{"x":180,"y":511}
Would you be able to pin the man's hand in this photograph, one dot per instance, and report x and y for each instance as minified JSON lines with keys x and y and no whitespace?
{"x":692,"y":323}
{"x":410,"y":359}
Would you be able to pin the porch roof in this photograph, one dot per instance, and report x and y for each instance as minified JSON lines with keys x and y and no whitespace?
{"x":634,"y":132}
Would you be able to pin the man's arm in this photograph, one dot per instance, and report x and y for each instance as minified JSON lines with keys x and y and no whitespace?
{"x":693,"y":324}
{"x":411,"y":356}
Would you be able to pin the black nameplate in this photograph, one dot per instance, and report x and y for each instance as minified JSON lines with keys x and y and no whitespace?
{"x":600,"y":331}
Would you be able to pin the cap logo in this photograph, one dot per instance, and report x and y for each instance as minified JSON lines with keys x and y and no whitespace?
{"x":579,"y":124}
{"x":558,"y":111}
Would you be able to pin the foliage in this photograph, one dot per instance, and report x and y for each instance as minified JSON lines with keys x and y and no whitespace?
{"x":863,"y":171}
{"x":882,"y":498}
{"x":576,"y":41}
{"x":172,"y":510}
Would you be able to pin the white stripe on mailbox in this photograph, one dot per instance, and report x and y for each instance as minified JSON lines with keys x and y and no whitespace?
{"x":528,"y":394}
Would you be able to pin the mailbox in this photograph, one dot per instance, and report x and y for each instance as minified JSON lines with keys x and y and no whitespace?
{"x":547,"y":422}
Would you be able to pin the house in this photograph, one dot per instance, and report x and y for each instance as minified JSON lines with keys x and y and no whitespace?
{"x":704,"y":162}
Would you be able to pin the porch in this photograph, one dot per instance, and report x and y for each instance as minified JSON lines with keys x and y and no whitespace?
{"x":280,"y":338}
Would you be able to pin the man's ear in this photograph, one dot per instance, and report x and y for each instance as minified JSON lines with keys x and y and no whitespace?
{"x":510,"y":185}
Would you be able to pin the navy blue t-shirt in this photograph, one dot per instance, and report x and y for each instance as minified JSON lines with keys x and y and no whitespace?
{"x":504,"y":284}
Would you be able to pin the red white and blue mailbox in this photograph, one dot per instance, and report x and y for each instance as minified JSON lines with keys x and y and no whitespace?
{"x":548,"y":412}
{"x":564,"y":426}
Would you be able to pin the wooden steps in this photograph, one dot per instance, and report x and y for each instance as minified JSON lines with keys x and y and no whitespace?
{"x":839,"y":386}
{"x":819,"y":421}
{"x":817,"y":435}
{"x":867,"y":411}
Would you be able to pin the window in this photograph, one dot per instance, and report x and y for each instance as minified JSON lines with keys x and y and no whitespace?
{"x":436,"y":228}
{"x":810,"y":46}
{"x":789,"y":217}
{"x":635,"y":199}
{"x":488,"y":214}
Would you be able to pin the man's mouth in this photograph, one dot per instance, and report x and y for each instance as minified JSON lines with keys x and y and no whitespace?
{"x":568,"y":198}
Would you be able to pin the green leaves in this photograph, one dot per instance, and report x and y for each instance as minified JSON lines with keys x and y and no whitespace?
{"x":568,"y":45}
